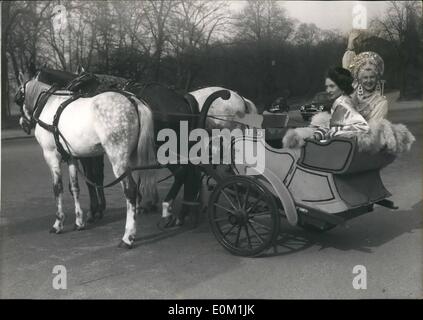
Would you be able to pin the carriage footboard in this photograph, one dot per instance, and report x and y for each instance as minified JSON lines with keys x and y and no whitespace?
{"x":387,"y":203}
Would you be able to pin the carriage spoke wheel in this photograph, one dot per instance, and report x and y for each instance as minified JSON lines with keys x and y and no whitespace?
{"x":243,"y":215}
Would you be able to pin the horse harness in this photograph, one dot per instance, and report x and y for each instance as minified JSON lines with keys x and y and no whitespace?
{"x":76,"y":87}
{"x":54,"y":127}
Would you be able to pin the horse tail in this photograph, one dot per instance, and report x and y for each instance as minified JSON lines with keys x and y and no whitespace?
{"x":145,"y":151}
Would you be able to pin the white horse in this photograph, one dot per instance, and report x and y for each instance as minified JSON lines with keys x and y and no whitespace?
{"x":220,"y":114}
{"x":111,"y":123}
{"x":221,"y":111}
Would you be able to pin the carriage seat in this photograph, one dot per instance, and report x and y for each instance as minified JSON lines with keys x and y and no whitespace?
{"x":341,"y":156}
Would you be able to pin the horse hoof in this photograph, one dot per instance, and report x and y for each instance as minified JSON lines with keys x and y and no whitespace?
{"x":169,"y":222}
{"x":124,"y":245}
{"x":91,"y":220}
{"x":78,"y":228}
{"x":53,"y":230}
{"x":179,"y":222}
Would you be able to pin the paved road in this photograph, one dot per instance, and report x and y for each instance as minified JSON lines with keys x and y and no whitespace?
{"x":189,"y":263}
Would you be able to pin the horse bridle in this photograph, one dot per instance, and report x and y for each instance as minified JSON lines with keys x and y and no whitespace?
{"x":30,"y":120}
{"x":26,"y":122}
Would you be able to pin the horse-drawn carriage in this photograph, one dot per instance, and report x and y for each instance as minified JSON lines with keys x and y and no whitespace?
{"x":317,"y":187}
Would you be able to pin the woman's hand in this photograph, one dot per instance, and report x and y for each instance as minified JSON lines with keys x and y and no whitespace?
{"x":354,"y":34}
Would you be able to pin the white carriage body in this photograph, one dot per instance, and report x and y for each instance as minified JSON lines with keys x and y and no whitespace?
{"x":330,"y":179}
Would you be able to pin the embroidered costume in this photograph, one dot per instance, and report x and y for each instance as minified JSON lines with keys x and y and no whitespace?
{"x":371,"y":105}
{"x":344,"y":120}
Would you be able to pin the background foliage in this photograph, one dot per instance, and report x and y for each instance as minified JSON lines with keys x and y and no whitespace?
{"x":260,"y":52}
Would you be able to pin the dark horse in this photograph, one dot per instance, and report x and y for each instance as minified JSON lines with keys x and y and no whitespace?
{"x":169,"y":108}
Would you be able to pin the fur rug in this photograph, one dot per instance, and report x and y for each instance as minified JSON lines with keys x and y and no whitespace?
{"x":396,"y":138}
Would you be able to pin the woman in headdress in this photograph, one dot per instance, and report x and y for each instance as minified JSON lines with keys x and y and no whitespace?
{"x":367,"y":98}
{"x":367,"y":69}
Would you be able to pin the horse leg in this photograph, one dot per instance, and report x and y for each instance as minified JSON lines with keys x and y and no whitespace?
{"x":180,"y":174}
{"x":98,"y":174}
{"x":87,"y":166}
{"x":53,"y":161}
{"x":120,"y":164}
{"x":96,"y":171}
{"x":139,"y":199}
{"x":191,"y":191}
{"x":151,"y":204}
{"x":73,"y":177}
{"x":131,"y":194}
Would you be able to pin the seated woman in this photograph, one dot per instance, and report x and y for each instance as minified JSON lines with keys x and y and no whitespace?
{"x":373,"y":136}
{"x":367,"y":69}
{"x":344,"y":120}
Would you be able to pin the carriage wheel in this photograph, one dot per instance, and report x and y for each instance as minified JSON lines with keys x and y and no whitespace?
{"x":243,"y":216}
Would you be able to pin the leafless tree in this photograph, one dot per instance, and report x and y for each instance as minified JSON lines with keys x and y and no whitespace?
{"x":264,"y":21}
{"x":156,"y":15}
{"x":401,"y":25}
{"x":22,"y":24}
{"x":193,"y":26}
{"x":307,"y":34}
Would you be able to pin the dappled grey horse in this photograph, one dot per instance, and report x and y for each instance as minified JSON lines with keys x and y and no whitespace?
{"x":112,"y":122}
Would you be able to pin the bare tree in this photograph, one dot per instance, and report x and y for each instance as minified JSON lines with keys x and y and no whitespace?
{"x":264,"y":21}
{"x":193,"y":26}
{"x":22,"y":24}
{"x":156,"y":14}
{"x":307,"y":34}
{"x":266,"y":30}
{"x":400,"y":26}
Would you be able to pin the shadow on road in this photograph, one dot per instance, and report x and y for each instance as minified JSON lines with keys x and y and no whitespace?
{"x":366,"y":232}
{"x":373,"y":231}
{"x":44,"y":223}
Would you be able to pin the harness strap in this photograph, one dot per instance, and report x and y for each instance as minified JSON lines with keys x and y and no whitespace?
{"x":56,"y":133}
{"x":245,"y":103}
{"x":66,"y":155}
{"x":39,"y":106}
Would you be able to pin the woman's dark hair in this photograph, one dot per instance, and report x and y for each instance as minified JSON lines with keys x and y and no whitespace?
{"x":342,"y":77}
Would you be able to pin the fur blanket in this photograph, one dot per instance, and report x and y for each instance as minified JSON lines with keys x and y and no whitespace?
{"x":396,"y":138}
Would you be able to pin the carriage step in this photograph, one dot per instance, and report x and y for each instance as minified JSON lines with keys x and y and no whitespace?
{"x":387,"y":203}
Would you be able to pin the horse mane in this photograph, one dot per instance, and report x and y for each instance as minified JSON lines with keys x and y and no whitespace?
{"x":59,"y":77}
{"x":109,"y":78}
{"x":142,"y":85}
{"x":33,"y":90}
